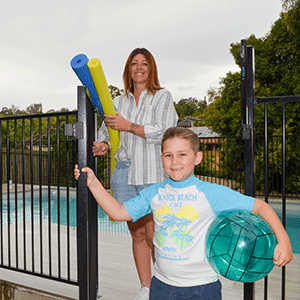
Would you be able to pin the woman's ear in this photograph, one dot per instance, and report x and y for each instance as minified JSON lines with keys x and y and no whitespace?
{"x":199,"y":157}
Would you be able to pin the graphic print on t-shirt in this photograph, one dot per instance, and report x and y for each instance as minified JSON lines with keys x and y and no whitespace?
{"x":174,"y":227}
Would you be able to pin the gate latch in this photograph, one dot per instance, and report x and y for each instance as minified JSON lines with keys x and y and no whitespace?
{"x":246,"y":133}
{"x":74,"y":130}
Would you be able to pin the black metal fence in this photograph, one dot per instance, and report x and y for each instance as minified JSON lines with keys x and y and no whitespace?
{"x":37,"y":236}
{"x":38,"y":200}
{"x":223,"y":163}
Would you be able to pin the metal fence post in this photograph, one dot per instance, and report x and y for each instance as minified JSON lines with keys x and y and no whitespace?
{"x":87,"y":236}
{"x":247,"y":91}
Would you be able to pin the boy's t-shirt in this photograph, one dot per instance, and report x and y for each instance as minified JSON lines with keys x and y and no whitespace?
{"x":182,"y":213}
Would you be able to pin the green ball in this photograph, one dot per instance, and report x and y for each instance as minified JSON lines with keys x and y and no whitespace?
{"x":240,"y":246}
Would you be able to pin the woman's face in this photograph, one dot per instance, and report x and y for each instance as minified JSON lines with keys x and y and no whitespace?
{"x":139,"y":69}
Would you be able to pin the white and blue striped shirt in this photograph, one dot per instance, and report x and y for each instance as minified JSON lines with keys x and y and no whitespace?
{"x":157,"y":113}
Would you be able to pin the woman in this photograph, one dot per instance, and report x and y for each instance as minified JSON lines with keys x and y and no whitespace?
{"x":144,"y":112}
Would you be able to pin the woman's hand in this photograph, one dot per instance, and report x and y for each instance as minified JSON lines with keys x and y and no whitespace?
{"x":100,"y":148}
{"x":117,"y":122}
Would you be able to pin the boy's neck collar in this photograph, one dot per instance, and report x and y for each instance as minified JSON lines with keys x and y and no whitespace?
{"x":183,"y":182}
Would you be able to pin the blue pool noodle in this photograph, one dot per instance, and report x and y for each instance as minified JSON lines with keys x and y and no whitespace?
{"x":79,"y":65}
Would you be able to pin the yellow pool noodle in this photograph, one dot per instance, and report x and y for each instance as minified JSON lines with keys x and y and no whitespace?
{"x":101,"y":86}
{"x":104,"y":95}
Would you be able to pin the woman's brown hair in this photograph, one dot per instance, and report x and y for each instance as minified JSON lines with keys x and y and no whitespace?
{"x":152,"y":82}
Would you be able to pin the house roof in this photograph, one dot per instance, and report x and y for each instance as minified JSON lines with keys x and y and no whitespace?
{"x":185,"y":123}
{"x":204,"y":132}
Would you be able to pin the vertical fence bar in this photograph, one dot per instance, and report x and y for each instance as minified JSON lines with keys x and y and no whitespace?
{"x":68,"y":205}
{"x":24,"y":199}
{"x":58,"y":197}
{"x":86,"y":205}
{"x":32,"y":196}
{"x":40,"y":194}
{"x":8,"y":191}
{"x":16,"y":196}
{"x":247,"y":93}
{"x":266,"y":180}
{"x":283,"y":189}
{"x":49,"y":196}
{"x":1,"y":193}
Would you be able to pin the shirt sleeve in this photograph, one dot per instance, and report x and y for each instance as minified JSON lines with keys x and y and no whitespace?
{"x":164,"y":116}
{"x":103,"y":133}
{"x":222,"y":198}
{"x":140,"y":205}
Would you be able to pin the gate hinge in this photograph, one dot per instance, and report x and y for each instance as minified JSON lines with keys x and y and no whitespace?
{"x":74,"y":130}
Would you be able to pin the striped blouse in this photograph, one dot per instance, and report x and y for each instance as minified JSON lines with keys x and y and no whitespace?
{"x":157,"y":113}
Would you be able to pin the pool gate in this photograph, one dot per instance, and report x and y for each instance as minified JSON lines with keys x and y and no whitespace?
{"x":249,"y":103}
{"x":87,"y":232}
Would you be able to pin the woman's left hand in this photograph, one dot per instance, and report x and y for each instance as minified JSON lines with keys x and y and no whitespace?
{"x":117,"y":122}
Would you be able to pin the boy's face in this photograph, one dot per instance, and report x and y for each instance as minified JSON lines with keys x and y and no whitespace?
{"x":179,"y":159}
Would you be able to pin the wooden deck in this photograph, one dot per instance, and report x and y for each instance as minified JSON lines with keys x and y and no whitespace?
{"x":118,"y":278}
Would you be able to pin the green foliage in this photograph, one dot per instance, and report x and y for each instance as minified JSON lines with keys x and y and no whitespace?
{"x":115,"y":91}
{"x":222,"y":114}
{"x":191,"y":107}
{"x":277,"y":73}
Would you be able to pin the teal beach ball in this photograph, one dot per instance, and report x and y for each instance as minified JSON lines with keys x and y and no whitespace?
{"x":240,"y":246}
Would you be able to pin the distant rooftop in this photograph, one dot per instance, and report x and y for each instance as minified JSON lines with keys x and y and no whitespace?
{"x":204,"y":132}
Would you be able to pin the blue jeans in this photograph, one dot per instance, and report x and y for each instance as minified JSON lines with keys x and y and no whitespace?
{"x":121,"y":190}
{"x":163,"y":291}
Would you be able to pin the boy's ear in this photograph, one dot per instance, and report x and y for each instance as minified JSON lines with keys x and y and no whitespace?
{"x":199,"y":157}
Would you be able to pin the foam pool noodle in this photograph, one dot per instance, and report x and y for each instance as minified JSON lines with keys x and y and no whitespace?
{"x":100,"y":82}
{"x":79,"y":65}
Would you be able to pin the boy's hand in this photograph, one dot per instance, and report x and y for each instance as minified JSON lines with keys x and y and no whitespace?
{"x":283,"y":254}
{"x":90,"y":174}
{"x":76,"y":172}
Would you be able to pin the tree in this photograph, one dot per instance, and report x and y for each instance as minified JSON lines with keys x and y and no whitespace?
{"x":277,"y":73}
{"x":115,"y":91}
{"x":191,"y":107}
{"x":289,"y":4}
{"x":36,"y":108}
{"x":221,"y":115}
{"x":14,"y":110}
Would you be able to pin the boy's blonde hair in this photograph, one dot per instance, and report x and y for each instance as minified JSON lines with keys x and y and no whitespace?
{"x":181,"y":133}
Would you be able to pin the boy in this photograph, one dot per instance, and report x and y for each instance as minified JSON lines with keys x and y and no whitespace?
{"x":183,"y":208}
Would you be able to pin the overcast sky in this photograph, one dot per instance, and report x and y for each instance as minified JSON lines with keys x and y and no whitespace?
{"x":190,"y":40}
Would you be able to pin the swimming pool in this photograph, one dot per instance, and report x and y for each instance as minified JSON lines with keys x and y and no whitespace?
{"x":292,"y":222}
{"x":35,"y":208}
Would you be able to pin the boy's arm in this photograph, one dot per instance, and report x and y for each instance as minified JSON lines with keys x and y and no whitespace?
{"x":283,"y":253}
{"x":109,"y":204}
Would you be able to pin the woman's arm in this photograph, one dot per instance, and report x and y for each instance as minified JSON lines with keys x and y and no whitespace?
{"x":164,"y":116}
{"x":119,"y":123}
{"x":109,"y":204}
{"x":283,"y":253}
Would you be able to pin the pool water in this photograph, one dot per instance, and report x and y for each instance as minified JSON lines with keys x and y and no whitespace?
{"x":35,"y":208}
{"x":292,"y":223}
